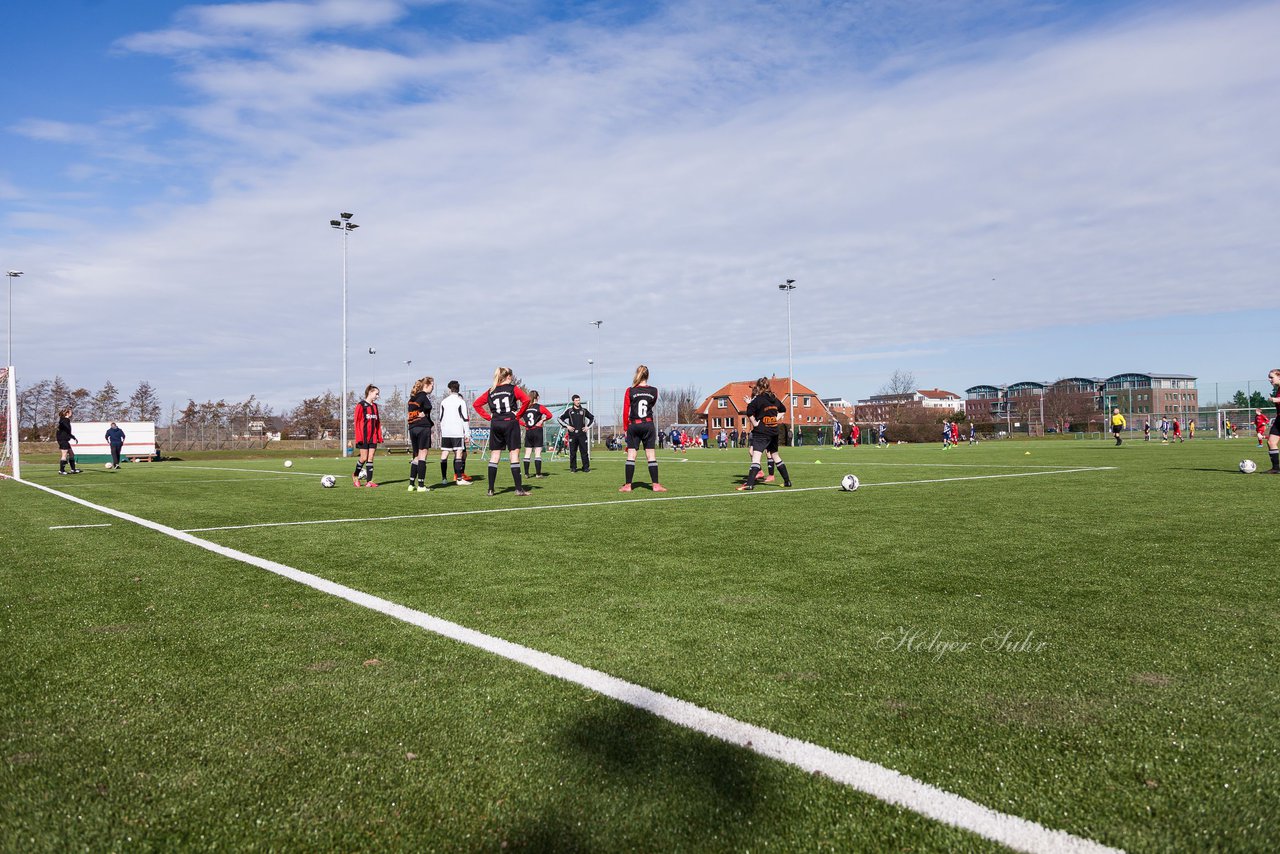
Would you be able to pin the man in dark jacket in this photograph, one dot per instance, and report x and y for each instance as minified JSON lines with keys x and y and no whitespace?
{"x":577,"y":421}
{"x":115,"y":438}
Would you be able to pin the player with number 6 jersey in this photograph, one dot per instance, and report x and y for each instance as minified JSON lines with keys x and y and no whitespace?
{"x":638,"y":405}
{"x":506,"y":404}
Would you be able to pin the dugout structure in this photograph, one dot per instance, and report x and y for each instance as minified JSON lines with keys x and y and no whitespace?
{"x":92,"y":447}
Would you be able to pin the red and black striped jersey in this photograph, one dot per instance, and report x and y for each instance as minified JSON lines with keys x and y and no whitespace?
{"x":368,"y":425}
{"x":506,"y":402}
{"x":638,"y":405}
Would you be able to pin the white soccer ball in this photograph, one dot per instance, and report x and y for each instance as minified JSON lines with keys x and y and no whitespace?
{"x":106,"y":465}
{"x":849,"y":482}
{"x":1248,"y":466}
{"x":328,"y":481}
{"x":288,"y":464}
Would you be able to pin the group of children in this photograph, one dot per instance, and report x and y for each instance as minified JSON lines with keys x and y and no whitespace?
{"x":507,"y":409}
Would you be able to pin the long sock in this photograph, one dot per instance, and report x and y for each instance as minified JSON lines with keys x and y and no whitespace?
{"x":653,"y":472}
{"x":493,"y":475}
{"x":782,"y":470}
{"x":526,"y":467}
{"x":515,"y":475}
{"x":537,"y":465}
{"x":359,"y":468}
{"x":770,"y":468}
{"x":1275,"y":459}
{"x":413,"y":472}
{"x":752,"y":474}
{"x":62,"y":465}
{"x":368,"y":472}
{"x":457,"y":467}
{"x":631,"y":470}
{"x":444,"y":468}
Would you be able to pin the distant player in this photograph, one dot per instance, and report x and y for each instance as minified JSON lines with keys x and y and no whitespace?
{"x":368,"y":435}
{"x":946,"y":435}
{"x":1191,"y":428}
{"x":1117,"y":424}
{"x":1164,"y":430}
{"x":763,"y":412}
{"x":420,"y":424}
{"x":115,"y":441}
{"x":1273,"y":437}
{"x":65,"y":437}
{"x":973,"y":434}
{"x":882,"y":439}
{"x":955,"y":433}
{"x":1260,"y":423}
{"x":855,"y":433}
{"x":1177,"y":430}
{"x":507,"y":403}
{"x":1146,"y":430}
{"x":638,"y":405}
{"x":535,"y":415}
{"x":455,"y":427}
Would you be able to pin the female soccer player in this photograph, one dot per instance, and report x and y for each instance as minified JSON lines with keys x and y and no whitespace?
{"x":637,"y":420}
{"x":763,"y":411}
{"x":507,"y":404}
{"x":65,"y":437}
{"x":1273,"y":437}
{"x":368,"y":430}
{"x":420,"y":423}
{"x":454,"y":429}
{"x":535,"y":415}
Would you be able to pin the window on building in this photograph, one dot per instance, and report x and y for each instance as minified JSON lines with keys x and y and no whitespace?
{"x":722,"y":403}
{"x":806,"y":401}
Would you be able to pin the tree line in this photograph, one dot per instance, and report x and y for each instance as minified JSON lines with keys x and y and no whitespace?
{"x":39,"y":404}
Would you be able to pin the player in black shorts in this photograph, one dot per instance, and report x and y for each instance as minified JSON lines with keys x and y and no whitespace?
{"x":763,"y":411}
{"x":535,"y":415}
{"x":65,"y":437}
{"x":420,"y":424}
{"x":1273,"y":437}
{"x":637,"y":420}
{"x":507,"y":403}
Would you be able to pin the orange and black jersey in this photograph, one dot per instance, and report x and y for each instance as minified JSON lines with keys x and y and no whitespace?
{"x":638,"y":405}
{"x":420,"y":410}
{"x":765,"y":408}
{"x":535,"y":416}
{"x":506,"y":402}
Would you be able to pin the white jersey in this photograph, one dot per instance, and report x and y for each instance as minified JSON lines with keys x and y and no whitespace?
{"x":453,"y":417}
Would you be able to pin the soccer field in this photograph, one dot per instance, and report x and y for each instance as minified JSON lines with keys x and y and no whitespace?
{"x":1070,"y":638}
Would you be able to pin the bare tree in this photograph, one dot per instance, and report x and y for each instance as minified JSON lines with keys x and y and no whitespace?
{"x":106,"y":405}
{"x":315,"y":415}
{"x":34,"y":403}
{"x":144,"y":403}
{"x":900,"y":382}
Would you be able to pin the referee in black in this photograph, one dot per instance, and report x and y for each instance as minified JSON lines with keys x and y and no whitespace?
{"x":577,"y":420}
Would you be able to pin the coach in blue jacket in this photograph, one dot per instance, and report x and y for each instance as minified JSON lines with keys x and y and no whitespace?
{"x":115,"y":438}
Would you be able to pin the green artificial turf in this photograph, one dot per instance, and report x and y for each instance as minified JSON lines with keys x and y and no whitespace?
{"x":1092,"y":650}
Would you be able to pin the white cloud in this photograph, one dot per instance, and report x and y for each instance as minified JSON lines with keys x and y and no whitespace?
{"x":665,"y":177}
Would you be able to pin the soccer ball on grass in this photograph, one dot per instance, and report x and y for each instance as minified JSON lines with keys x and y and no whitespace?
{"x":288,"y":464}
{"x":328,"y":481}
{"x":1248,"y":466}
{"x":849,"y":482}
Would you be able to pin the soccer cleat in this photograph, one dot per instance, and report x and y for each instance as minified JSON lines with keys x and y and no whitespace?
{"x":424,"y":488}
{"x":746,"y":487}
{"x":355,"y":481}
{"x":523,"y":493}
{"x":787,"y":484}
{"x":464,"y":481}
{"x":626,"y":487}
{"x":657,"y":487}
{"x":489,"y":493}
{"x":444,"y":482}
{"x":413,"y":488}
{"x":371,"y":485}
{"x":61,"y":472}
{"x":768,"y":479}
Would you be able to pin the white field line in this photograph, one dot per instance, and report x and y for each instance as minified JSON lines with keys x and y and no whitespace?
{"x":617,"y":502}
{"x":68,"y":527}
{"x":876,"y":780}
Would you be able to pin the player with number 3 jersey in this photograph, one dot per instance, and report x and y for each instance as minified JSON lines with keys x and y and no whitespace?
{"x":638,"y":405}
{"x":506,"y":402}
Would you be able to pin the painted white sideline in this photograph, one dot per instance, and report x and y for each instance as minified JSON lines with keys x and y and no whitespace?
{"x":883,"y":783}
{"x":617,"y":502}
{"x":66,"y":527}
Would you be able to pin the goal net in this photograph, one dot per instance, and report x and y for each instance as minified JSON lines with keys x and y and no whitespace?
{"x":1236,"y":423}
{"x":9,"y":463}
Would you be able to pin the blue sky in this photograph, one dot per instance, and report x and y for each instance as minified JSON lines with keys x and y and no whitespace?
{"x":973,"y":192}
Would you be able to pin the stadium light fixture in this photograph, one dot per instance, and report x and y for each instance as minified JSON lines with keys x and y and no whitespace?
{"x":346,"y":226}
{"x":787,"y":287}
{"x":8,"y":356}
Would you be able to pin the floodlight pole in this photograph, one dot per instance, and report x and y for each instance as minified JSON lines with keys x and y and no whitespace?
{"x":346,"y":226}
{"x":787,"y":287}
{"x":8,"y":356}
{"x":592,"y":362}
{"x":408,"y":386}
